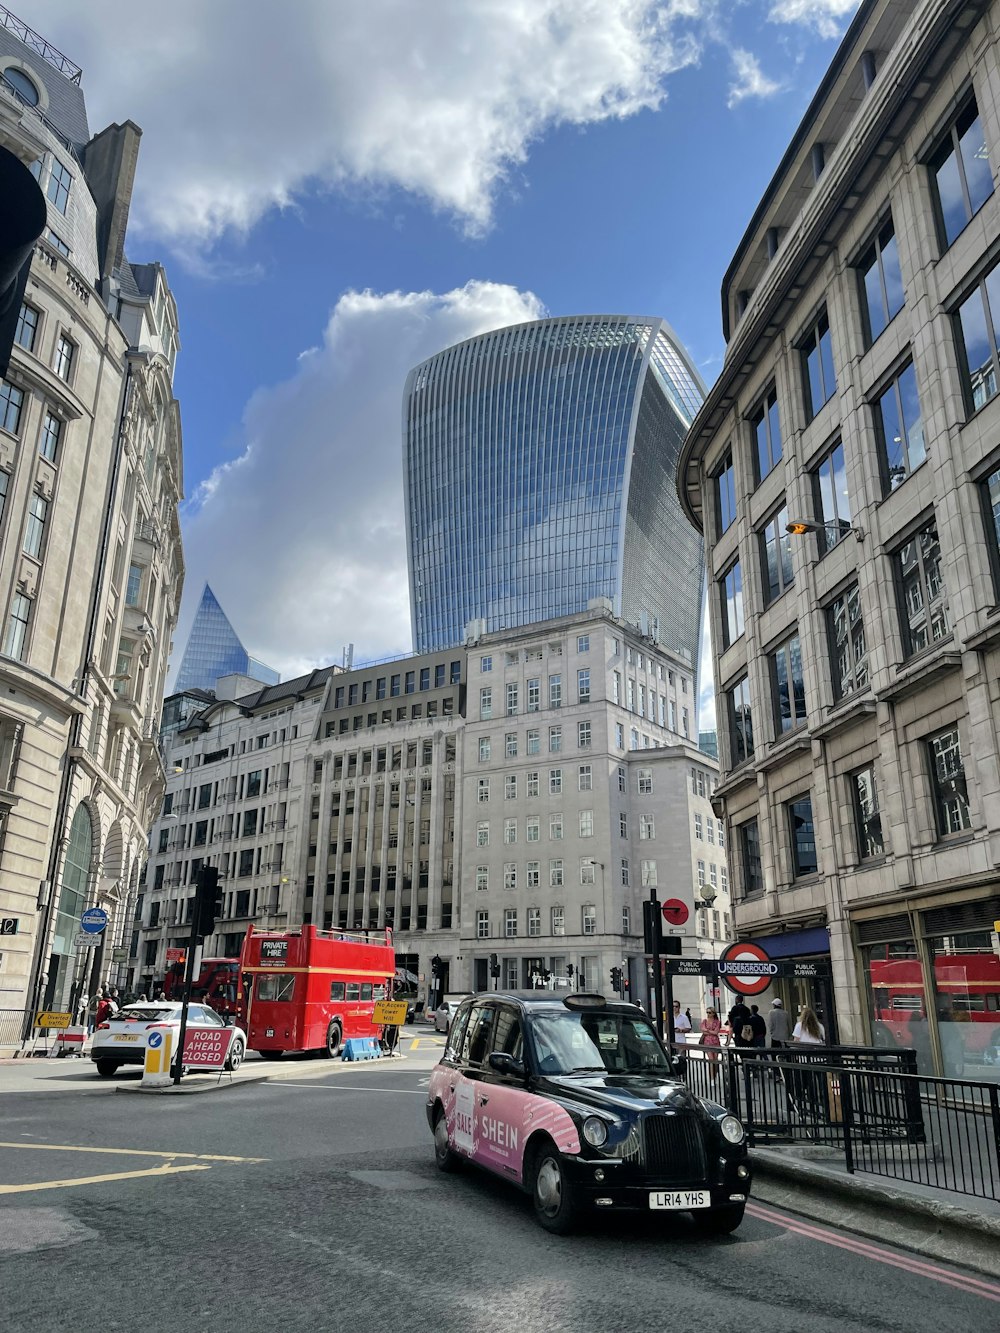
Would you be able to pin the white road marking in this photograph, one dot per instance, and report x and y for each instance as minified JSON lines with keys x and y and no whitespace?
{"x":346,"y":1087}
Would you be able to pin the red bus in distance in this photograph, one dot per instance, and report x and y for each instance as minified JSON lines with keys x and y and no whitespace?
{"x":217,"y":984}
{"x":310,"y":989}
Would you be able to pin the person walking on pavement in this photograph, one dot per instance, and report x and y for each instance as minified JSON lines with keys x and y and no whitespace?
{"x":759,"y":1028}
{"x":104,"y":1009}
{"x":739,"y":1020}
{"x":711,"y":1026}
{"x":779,"y":1027}
{"x":680,"y":1026}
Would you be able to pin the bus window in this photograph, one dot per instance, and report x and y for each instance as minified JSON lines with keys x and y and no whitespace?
{"x":353,"y":990}
{"x":336,"y":990}
{"x":276,"y":986}
{"x":366,"y":990}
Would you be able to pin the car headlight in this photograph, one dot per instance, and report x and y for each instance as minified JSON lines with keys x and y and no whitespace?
{"x":732,"y":1130}
{"x":595,"y":1131}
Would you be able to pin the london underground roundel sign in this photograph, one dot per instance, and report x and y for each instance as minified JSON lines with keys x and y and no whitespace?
{"x":746,"y":968}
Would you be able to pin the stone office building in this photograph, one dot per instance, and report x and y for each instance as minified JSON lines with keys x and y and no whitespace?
{"x":857,"y":657}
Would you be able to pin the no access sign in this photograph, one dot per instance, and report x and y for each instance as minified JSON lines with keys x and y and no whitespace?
{"x":746,"y":968}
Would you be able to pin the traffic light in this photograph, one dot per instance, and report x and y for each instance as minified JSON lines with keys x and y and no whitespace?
{"x":652,"y":931}
{"x":494,"y":965}
{"x":437,"y":966}
{"x":22,"y":220}
{"x":616,"y":980}
{"x":207,"y":902}
{"x":569,"y":970}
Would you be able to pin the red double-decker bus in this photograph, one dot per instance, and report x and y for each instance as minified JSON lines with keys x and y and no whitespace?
{"x":217,"y":984}
{"x":310,"y":989}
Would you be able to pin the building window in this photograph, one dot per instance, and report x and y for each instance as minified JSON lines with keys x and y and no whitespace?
{"x":775,"y":556}
{"x":486,"y":663}
{"x":991,"y":504}
{"x":731,"y":589}
{"x":555,"y":874}
{"x":922,"y":592}
{"x":699,"y":831}
{"x":410,"y":682}
{"x":11,"y":402}
{"x":789,"y":687}
{"x":583,"y":685}
{"x":586,"y":823}
{"x":531,"y":784}
{"x":701,"y":874}
{"x":482,"y":878}
{"x":483,"y":790}
{"x":555,"y":691}
{"x":724,"y":486}
{"x":848,"y":650}
{"x":555,"y":781}
{"x":65,"y":351}
{"x":534,"y":694}
{"x":881,"y":282}
{"x":510,"y":831}
{"x":583,"y":735}
{"x":748,"y":837}
{"x":626,"y":921}
{"x":17,"y":626}
{"x":555,"y":827}
{"x":558,"y":918}
{"x":710,"y":830}
{"x":486,"y":703}
{"x":899,"y":429}
{"x":587,"y":871}
{"x":482,"y":925}
{"x":133,"y":585}
{"x":585,"y":778}
{"x":867,"y":818}
{"x":532,"y":828}
{"x":510,"y":787}
{"x":34,"y":532}
{"x":49,"y":442}
{"x":619,"y":736}
{"x":583,"y":643}
{"x":817,"y":364}
{"x":740,"y":719}
{"x":534,"y":740}
{"x":832,"y":501}
{"x":425,"y":679}
{"x":648,"y":873}
{"x":27,"y":328}
{"x":555,"y":740}
{"x":979,"y":337}
{"x":588,"y":916}
{"x":511,"y":693}
{"x":647,"y":827}
{"x":625,"y":872}
{"x":802,"y":836}
{"x":534,"y":922}
{"x":510,"y":744}
{"x":951,"y":795}
{"x":455,"y":673}
{"x":616,"y":687}
{"x":60,"y":181}
{"x":961,"y":174}
{"x":645,"y":782}
{"x":485,"y":749}
{"x":483,"y":833}
{"x":58,"y":243}
{"x":767,"y":435}
{"x":531,"y":874}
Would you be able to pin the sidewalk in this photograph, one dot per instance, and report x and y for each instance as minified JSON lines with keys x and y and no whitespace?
{"x":814,"y":1181}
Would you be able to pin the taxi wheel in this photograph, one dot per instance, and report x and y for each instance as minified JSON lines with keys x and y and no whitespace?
{"x":553,"y":1193}
{"x":107,"y":1067}
{"x":235,"y":1056}
{"x":333,"y":1039}
{"x":720,"y":1221}
{"x":445,"y":1159}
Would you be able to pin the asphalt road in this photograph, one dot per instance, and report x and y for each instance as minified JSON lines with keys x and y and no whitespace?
{"x":312,"y":1203}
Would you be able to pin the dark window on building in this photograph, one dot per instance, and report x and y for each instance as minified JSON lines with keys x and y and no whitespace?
{"x":411,"y":681}
{"x":338,"y":697}
{"x":960,"y":170}
{"x":820,"y":380}
{"x":27,"y":328}
{"x":789,"y":688}
{"x":394,"y":685}
{"x":991,"y":504}
{"x":425,"y":678}
{"x":439,"y":676}
{"x":867,"y":817}
{"x":899,"y":429}
{"x":204,"y":796}
{"x":922,"y":594}
{"x":11,"y":402}
{"x":740,"y":721}
{"x":749,"y":844}
{"x":724,"y":485}
{"x":832,"y":501}
{"x":48,"y":443}
{"x":881,"y":282}
{"x":201,"y":833}
{"x":380,"y":685}
{"x":775,"y":556}
{"x":242,"y":902}
{"x":848,"y":650}
{"x":164,"y":839}
{"x":352,"y":695}
{"x":767,"y":435}
{"x":951,"y":795}
{"x":158,"y":874}
{"x":802,"y":836}
{"x":456,"y":673}
{"x":979,"y":336}
{"x":253,"y":782}
{"x":731,"y":589}
{"x":246,"y":862}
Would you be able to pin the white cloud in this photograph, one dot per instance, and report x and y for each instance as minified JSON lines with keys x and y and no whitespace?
{"x":302,"y":536}
{"x":826,"y":16}
{"x":750,"y":81}
{"x":247,"y":105}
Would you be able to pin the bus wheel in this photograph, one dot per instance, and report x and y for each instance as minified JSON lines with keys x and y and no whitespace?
{"x":271,"y":1055}
{"x":333,"y":1039}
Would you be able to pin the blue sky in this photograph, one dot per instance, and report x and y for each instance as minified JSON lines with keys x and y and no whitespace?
{"x":338,"y":190}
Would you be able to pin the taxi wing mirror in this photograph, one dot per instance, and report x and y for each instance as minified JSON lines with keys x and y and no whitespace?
{"x":503,"y":1063}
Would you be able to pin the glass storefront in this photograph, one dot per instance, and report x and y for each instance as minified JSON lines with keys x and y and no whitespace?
{"x":932,"y":981}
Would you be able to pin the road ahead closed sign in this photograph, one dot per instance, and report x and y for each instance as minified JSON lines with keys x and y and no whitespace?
{"x":207,"y":1048}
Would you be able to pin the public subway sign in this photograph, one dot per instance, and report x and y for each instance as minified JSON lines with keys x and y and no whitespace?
{"x":746,"y":968}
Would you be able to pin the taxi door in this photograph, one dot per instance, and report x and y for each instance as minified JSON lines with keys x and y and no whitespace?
{"x":501,"y":1102}
{"x":464,"y":1080}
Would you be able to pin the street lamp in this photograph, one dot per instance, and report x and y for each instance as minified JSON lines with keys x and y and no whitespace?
{"x":800,"y":526}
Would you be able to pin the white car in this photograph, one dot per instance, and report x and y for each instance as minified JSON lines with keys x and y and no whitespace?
{"x":445,"y":1012}
{"x":121,"y":1040}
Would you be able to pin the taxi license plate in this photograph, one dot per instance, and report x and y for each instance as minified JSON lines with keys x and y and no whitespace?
{"x":680,"y":1199}
{"x":128,"y":1036}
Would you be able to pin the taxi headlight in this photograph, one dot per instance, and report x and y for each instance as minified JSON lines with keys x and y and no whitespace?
{"x":732,"y":1130}
{"x":595,"y":1131}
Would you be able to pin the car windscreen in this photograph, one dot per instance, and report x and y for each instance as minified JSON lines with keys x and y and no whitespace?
{"x":572,"y":1042}
{"x":147,"y":1014}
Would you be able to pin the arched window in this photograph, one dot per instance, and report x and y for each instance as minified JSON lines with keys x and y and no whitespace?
{"x":75,"y":879}
{"x":21,"y":84}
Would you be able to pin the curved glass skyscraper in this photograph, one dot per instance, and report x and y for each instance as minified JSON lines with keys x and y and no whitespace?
{"x":540,"y":467}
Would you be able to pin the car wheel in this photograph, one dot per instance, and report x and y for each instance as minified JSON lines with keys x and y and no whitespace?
{"x":444,"y":1158}
{"x":720,"y":1221}
{"x":333,"y":1040}
{"x":553,"y":1193}
{"x":107,"y":1067}
{"x":236,"y":1053}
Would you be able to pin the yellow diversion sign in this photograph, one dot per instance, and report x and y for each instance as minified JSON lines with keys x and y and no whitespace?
{"x":390,"y":1012}
{"x":52,"y":1019}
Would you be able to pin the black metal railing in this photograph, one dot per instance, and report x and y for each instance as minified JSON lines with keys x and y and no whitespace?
{"x":868,"y":1104}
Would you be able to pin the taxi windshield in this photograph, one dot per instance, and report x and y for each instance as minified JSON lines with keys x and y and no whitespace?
{"x":575,"y":1042}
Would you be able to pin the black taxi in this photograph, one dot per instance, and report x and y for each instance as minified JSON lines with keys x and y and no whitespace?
{"x":574,"y":1098}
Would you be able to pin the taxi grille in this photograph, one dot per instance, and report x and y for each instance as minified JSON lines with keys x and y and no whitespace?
{"x":674,"y":1149}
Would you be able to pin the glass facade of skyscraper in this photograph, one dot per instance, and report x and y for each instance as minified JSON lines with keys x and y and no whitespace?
{"x":540,"y":471}
{"x":214,"y":649}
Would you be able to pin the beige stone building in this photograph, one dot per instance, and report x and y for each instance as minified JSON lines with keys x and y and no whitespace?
{"x":90,"y":554}
{"x":857,"y":661}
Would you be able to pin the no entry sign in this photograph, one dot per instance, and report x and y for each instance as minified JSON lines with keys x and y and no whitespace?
{"x":746,"y":968}
{"x":675,"y":912}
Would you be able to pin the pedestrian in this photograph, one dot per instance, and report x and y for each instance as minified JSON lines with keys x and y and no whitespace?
{"x":810,"y":1085}
{"x":739,"y":1021}
{"x":680,"y":1024}
{"x":687,"y":1015}
{"x":161,"y":996}
{"x":142,"y":999}
{"x":779,"y":1028}
{"x":711,"y":1026}
{"x":103,"y":1010}
{"x":759,"y":1028}
{"x":809,"y":1030}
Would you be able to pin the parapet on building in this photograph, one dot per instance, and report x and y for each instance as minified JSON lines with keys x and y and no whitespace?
{"x":90,"y":552}
{"x":857,"y":660}
{"x":540,"y":466}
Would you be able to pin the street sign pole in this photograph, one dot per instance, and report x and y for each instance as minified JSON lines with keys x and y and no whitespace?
{"x":657,"y":975}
